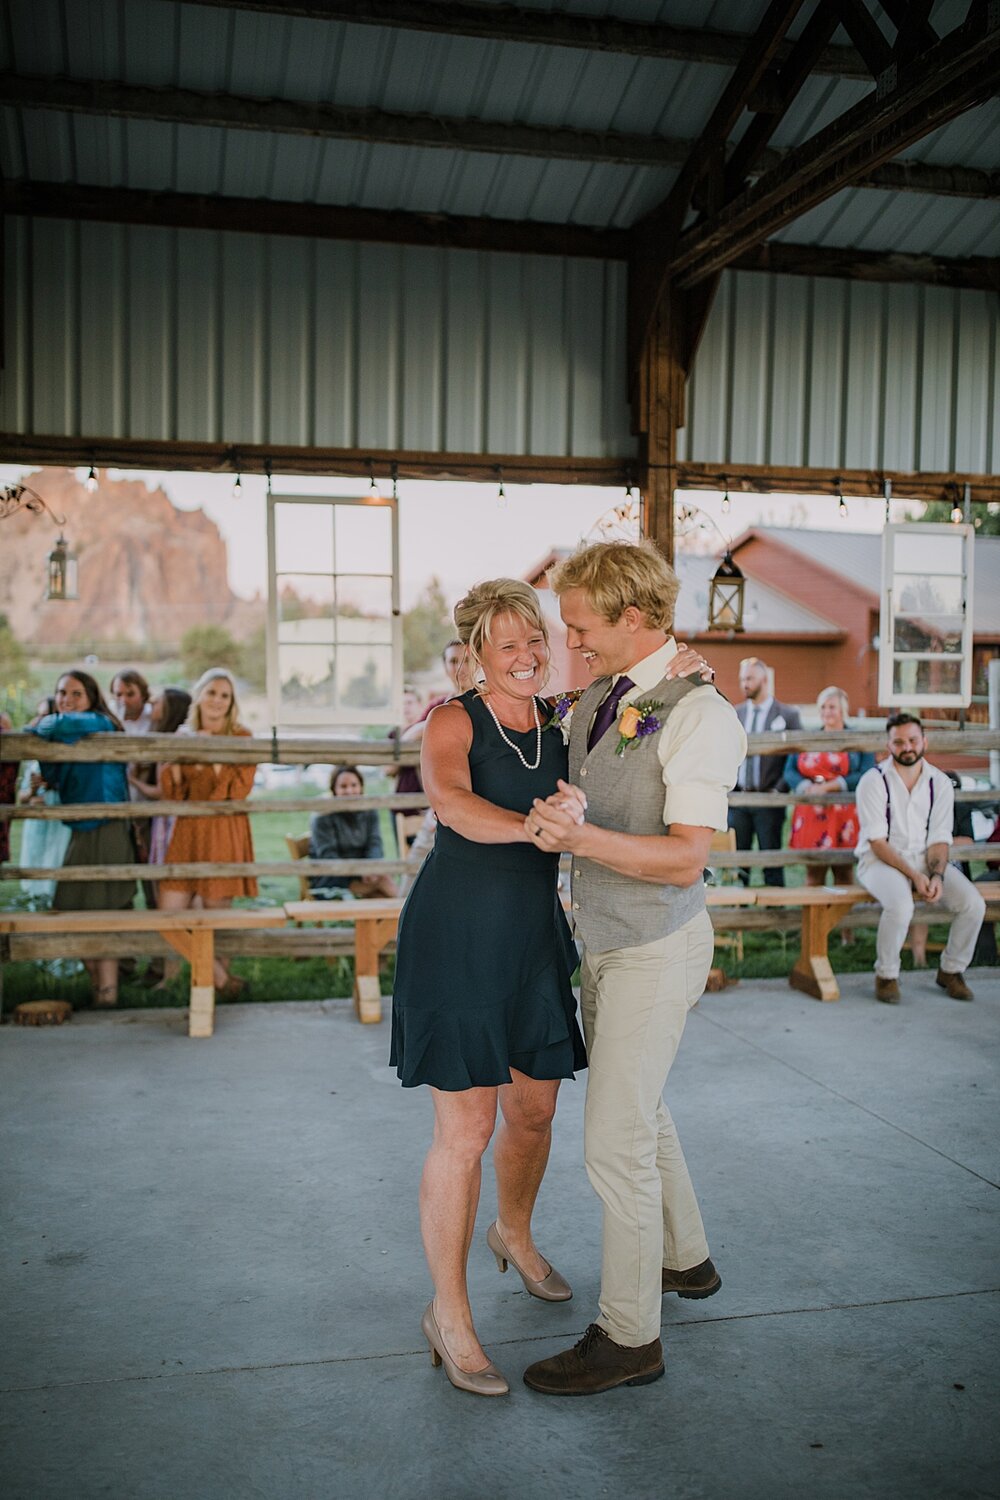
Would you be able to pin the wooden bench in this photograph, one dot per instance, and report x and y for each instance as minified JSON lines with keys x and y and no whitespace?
{"x":375,"y":923}
{"x":191,"y":933}
{"x":822,"y":908}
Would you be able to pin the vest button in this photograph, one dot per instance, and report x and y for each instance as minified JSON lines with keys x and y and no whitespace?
{"x":583,"y":770}
{"x":576,"y":906}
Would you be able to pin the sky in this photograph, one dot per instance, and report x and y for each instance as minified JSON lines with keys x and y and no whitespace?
{"x":462,"y":532}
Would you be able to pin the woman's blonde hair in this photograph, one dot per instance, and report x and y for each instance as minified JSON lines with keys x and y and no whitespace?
{"x":194,"y":712}
{"x":485,"y":604}
{"x":834,"y":692}
{"x":614,"y":575}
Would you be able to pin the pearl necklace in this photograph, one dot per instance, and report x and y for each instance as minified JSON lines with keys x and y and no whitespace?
{"x":528,"y":766}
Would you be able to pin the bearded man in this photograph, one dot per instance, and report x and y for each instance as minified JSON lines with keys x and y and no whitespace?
{"x":905,"y":812}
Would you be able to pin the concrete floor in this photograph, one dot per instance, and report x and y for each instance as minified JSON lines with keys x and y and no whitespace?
{"x":213,"y":1278}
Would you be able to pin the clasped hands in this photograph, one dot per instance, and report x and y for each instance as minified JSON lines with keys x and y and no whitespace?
{"x":928,"y":887}
{"x":556,"y":823}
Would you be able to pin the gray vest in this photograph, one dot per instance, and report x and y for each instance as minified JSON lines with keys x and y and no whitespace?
{"x":624,"y":793}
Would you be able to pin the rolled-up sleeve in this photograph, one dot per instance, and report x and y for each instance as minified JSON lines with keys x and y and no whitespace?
{"x":942,"y":818}
{"x":701,"y":748}
{"x":872,"y":806}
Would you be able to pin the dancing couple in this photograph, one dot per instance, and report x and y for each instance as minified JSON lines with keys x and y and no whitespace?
{"x":632,"y":779}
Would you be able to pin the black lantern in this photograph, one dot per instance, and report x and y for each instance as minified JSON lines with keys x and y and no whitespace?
{"x":725,"y":596}
{"x":62,"y":575}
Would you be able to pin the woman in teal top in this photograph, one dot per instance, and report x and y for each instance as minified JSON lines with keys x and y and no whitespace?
{"x":82,"y":711}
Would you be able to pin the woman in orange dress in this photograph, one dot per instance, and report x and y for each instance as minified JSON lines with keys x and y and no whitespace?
{"x":214,"y":710}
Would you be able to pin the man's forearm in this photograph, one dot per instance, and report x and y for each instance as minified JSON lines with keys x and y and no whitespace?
{"x":884,"y":851}
{"x":937,"y":859}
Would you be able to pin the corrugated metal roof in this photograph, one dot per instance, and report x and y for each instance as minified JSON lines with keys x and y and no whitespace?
{"x":858,"y":556}
{"x":167,"y":42}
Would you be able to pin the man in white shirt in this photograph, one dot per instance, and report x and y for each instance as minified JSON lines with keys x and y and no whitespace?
{"x":905,"y":812}
{"x":651,"y":761}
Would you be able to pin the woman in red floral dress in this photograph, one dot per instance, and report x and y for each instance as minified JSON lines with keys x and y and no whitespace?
{"x":813,"y":773}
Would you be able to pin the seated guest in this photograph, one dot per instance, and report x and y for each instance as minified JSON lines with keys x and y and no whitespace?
{"x":905,"y":810}
{"x":347,"y":835}
{"x":813,"y":773}
{"x":408,"y":777}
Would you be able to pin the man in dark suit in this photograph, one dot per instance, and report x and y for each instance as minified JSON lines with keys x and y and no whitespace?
{"x":761,"y":711}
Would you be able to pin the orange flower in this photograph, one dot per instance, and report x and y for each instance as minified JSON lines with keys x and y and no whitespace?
{"x":629,"y":722}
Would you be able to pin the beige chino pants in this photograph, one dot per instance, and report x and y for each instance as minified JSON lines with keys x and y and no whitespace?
{"x":634,"y":1003}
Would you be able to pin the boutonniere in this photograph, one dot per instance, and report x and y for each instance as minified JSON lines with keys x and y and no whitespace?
{"x":562,"y":712}
{"x":636,"y":721}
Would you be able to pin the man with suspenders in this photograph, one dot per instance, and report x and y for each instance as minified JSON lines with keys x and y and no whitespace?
{"x":905,"y":811}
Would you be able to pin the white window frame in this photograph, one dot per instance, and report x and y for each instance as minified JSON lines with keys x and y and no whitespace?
{"x":342,"y":715}
{"x":888,"y":697}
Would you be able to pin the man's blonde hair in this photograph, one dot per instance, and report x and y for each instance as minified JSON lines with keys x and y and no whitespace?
{"x":614,"y":575}
{"x":485,"y":604}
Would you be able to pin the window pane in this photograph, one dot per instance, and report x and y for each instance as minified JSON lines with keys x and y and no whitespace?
{"x":917,"y":677}
{"x":364,"y":678}
{"x":928,"y":633}
{"x":303,"y":538}
{"x":306,"y":675}
{"x":364,"y":539}
{"x":935,"y":553}
{"x":367,"y":598}
{"x":311,"y":629}
{"x":930,"y":593}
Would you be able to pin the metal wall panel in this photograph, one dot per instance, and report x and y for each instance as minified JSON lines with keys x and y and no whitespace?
{"x":835,"y":375}
{"x":143,"y":332}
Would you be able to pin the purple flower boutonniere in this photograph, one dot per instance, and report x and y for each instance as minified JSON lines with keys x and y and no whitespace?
{"x":562,"y":712}
{"x":636,"y":721}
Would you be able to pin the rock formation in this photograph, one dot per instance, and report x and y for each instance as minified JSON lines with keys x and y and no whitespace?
{"x":147,"y":571}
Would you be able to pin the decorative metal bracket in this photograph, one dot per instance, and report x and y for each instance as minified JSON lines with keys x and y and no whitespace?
{"x":15,"y":497}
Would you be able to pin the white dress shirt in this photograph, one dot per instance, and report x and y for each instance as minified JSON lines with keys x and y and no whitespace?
{"x":700,"y":746}
{"x":914,"y":823}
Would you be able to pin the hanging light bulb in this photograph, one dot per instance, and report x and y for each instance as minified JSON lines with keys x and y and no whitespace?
{"x":501,"y":493}
{"x":726,"y":504}
{"x":91,"y":481}
{"x":374,"y":496}
{"x":238,"y":487}
{"x":394,"y":471}
{"x":956,"y":513}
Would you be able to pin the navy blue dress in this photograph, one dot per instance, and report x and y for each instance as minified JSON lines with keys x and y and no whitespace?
{"x":484,"y":955}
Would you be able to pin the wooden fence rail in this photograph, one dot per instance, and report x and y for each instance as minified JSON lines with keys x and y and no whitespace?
{"x":247,"y":750}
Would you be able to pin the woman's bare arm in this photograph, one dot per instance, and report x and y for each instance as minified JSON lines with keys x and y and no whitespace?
{"x":444,"y":770}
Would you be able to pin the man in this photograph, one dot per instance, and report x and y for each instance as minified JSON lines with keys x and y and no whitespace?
{"x":905,"y":811}
{"x":655,"y":757}
{"x":759,"y":712}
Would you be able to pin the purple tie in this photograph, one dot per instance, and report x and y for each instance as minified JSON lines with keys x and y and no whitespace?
{"x":605,"y":716}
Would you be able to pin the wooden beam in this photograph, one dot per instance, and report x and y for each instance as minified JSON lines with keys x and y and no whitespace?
{"x":975,"y":272}
{"x":256,"y":458}
{"x":955,"y":76}
{"x":866,"y":34}
{"x":767,"y":479}
{"x":330,"y":122}
{"x":536,"y":27}
{"x":323,"y":121}
{"x":311,"y":220}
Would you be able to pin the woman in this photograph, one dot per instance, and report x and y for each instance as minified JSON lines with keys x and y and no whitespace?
{"x":44,"y":841}
{"x":349,"y":835}
{"x":214,"y":710}
{"x":168,"y":711}
{"x":813,"y":773}
{"x":483,"y":1009}
{"x":82,"y":711}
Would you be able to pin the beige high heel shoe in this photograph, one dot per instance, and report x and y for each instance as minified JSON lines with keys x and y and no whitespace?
{"x":485,"y":1382}
{"x":552,"y":1288}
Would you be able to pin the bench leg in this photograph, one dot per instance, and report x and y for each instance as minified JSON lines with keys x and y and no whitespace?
{"x":198,"y":948}
{"x":370,"y":937}
{"x":812,"y":972}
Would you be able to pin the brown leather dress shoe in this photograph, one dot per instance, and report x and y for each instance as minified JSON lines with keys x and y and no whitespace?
{"x":954,"y":985}
{"x":699,"y":1281}
{"x":887,"y":990}
{"x":596,"y":1364}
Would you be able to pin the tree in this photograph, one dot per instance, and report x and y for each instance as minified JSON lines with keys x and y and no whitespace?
{"x":427,"y":629}
{"x":205,"y":646}
{"x":253,"y":660}
{"x":986,"y":518}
